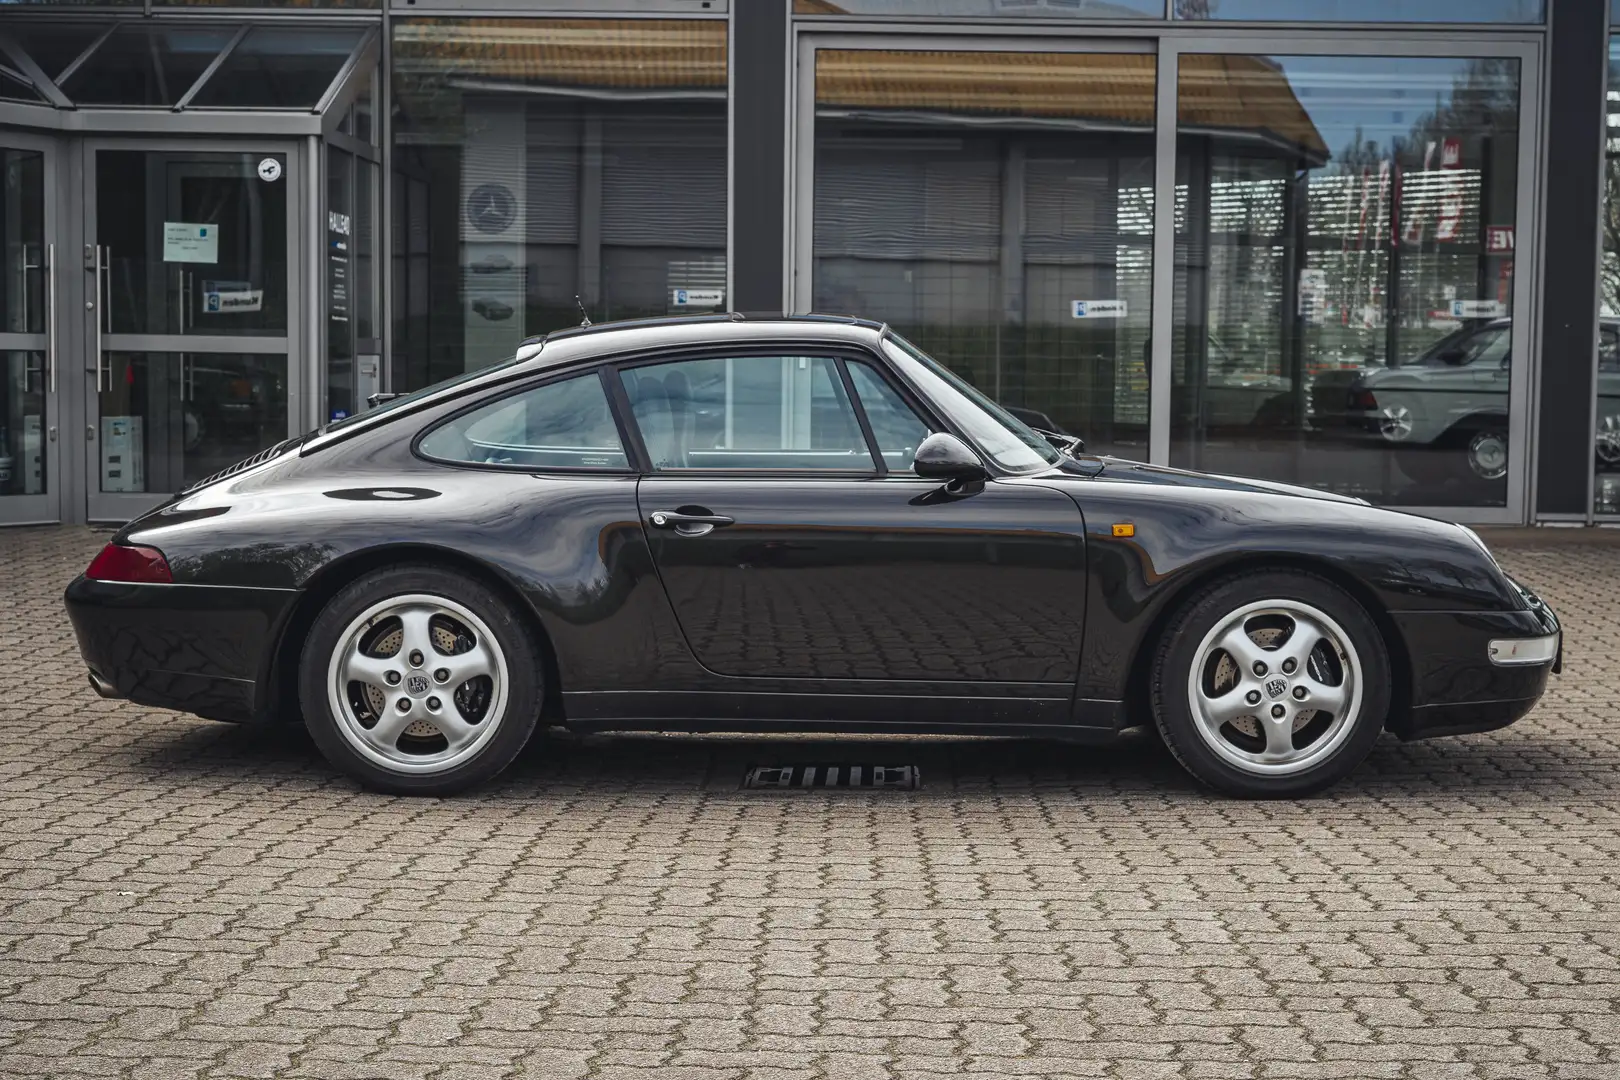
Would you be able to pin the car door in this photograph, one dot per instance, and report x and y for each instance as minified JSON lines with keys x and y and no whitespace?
{"x":792,"y":548}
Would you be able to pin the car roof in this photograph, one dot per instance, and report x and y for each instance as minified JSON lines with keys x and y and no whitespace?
{"x":634,"y":335}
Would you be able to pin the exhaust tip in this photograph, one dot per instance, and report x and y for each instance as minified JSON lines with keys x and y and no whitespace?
{"x":103,"y":687}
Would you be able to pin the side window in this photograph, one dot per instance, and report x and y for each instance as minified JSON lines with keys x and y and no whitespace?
{"x":897,"y":429}
{"x":746,"y":412}
{"x":565,"y":424}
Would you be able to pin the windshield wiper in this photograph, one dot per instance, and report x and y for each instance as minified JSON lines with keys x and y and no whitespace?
{"x":1072,"y":445}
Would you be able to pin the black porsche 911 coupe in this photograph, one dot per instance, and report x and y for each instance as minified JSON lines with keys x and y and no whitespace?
{"x":719,"y":524}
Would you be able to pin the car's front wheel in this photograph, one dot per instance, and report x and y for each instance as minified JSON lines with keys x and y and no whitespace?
{"x":419,"y":680}
{"x":1271,"y":684}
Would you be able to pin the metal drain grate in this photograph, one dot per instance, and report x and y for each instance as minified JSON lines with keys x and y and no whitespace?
{"x":861,"y":777}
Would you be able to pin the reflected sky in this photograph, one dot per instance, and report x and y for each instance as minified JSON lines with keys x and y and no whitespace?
{"x":1373,"y":99}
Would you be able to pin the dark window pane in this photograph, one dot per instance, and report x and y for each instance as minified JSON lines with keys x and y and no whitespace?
{"x":539,"y":160}
{"x":1366,"y":11}
{"x":23,"y":282}
{"x":196,"y":242}
{"x":340,"y":345}
{"x":987,"y":9}
{"x":1345,"y":255}
{"x":997,"y":209}
{"x":23,"y":449}
{"x":279,"y":69}
{"x":53,"y":46}
{"x":269,"y":3}
{"x":170,"y":419}
{"x":146,"y":65}
{"x":566,"y":425}
{"x":15,"y":86}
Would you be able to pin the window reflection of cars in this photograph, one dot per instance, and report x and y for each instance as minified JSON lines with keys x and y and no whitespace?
{"x":229,"y":406}
{"x":493,"y":310}
{"x":1445,"y":412}
{"x":1236,"y":392}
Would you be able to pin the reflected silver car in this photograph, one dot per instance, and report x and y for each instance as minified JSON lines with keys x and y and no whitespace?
{"x":1446,"y":413}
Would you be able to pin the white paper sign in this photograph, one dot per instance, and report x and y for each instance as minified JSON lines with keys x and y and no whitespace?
{"x":230,"y":301}
{"x":190,"y":242}
{"x":269,"y":170}
{"x":1100,"y":309}
{"x":1478,"y":309}
{"x":699,"y":297}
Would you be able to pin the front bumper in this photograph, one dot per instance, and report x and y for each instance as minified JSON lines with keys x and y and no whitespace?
{"x":200,"y":649}
{"x":1457,"y":686}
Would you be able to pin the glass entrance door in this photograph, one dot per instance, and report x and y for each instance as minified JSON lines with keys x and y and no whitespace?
{"x":187,"y":253}
{"x":29,"y":487}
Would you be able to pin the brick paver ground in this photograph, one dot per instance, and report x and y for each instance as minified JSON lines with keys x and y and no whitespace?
{"x":180,"y":898}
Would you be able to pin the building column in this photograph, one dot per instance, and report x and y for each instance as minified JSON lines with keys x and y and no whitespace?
{"x":759,"y":66}
{"x":1577,"y":58}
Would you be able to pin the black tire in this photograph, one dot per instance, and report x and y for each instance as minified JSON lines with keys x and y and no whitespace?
{"x":1212,"y":607}
{"x":523,"y":683}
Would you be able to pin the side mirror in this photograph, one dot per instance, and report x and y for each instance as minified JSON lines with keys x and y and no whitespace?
{"x":942,"y":456}
{"x":1454,"y":357}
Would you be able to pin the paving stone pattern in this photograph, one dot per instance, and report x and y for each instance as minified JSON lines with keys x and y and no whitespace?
{"x":180,"y":898}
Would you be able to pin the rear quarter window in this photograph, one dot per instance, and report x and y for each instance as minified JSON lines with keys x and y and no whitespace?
{"x":561,"y":425}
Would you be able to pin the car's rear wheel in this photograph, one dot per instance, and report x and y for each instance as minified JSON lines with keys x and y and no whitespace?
{"x":1271,"y":684}
{"x":420,"y":680}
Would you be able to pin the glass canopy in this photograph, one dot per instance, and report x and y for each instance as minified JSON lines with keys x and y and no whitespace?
{"x":135,"y":63}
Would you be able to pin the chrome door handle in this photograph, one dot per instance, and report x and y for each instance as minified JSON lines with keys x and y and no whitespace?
{"x":50,"y":316}
{"x":100,"y":306}
{"x":674,"y":519}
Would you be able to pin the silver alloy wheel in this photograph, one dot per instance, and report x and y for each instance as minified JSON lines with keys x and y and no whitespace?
{"x":1395,"y":423}
{"x":418,"y":684}
{"x":1275,"y":687}
{"x":1488,"y":455}
{"x":1608,"y":441}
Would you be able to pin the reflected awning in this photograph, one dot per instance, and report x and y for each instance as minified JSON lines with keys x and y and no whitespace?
{"x":606,"y":58}
{"x":1246,"y":97}
{"x":1238,"y":95}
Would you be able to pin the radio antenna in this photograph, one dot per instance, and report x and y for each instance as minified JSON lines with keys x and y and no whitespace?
{"x":585,"y":319}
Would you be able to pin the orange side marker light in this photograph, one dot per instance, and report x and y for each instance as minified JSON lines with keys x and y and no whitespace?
{"x":1124,"y":530}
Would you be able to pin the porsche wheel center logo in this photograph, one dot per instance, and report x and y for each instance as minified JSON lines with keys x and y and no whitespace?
{"x":416,"y":684}
{"x":1276,"y":688}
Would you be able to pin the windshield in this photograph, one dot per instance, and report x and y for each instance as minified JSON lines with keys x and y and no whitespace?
{"x":416,"y":395}
{"x":1008,"y":441}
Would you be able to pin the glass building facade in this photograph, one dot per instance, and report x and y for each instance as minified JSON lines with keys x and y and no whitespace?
{"x":1326,"y":243}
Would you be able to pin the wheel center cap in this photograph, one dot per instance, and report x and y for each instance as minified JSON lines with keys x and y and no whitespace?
{"x":1275,"y":688}
{"x":416,"y":684}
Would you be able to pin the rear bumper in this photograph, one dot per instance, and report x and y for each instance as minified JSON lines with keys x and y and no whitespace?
{"x":1457,"y":688}
{"x":197,"y":648}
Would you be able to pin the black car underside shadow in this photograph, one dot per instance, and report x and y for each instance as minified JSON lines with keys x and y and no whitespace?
{"x":562,"y":762}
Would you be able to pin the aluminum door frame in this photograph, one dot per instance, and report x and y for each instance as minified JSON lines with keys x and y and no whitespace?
{"x":118,"y":506}
{"x":45,"y":508}
{"x":1170,"y":43}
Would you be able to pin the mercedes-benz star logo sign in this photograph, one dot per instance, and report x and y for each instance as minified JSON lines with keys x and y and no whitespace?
{"x":417,"y":684}
{"x":1277,"y":688}
{"x":491,"y":208}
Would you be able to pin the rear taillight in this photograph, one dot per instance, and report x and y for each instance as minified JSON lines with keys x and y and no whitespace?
{"x":124,"y":562}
